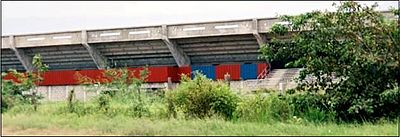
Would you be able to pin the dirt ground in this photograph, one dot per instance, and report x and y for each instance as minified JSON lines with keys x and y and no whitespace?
{"x":7,"y":131}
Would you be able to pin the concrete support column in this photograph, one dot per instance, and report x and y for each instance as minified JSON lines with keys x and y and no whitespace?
{"x":99,"y":60}
{"x":49,"y":92}
{"x":241,"y":85}
{"x":84,"y":96}
{"x":66,"y":91}
{"x":25,"y":60}
{"x":260,"y":39}
{"x":227,"y":79}
{"x":169,"y":83}
{"x":180,"y":57}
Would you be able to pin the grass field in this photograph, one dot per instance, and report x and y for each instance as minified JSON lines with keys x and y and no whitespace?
{"x":44,"y":123}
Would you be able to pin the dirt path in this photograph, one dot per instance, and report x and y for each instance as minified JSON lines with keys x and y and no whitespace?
{"x":8,"y":131}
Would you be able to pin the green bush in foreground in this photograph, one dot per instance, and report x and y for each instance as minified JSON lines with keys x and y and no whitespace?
{"x":311,"y":107}
{"x":351,"y":53}
{"x":390,"y":100}
{"x":12,"y":92}
{"x":263,"y":108}
{"x":202,"y":97}
{"x":45,"y":122}
{"x":119,"y":86}
{"x":284,"y":108}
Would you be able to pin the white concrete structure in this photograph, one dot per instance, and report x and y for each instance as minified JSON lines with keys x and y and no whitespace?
{"x":174,"y":44}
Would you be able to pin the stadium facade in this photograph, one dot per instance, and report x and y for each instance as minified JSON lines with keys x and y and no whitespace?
{"x":213,"y":48}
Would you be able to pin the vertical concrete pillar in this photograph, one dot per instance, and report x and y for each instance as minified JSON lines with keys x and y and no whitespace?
{"x":49,"y":93}
{"x":169,"y":84}
{"x":227,"y":79}
{"x":66,"y":91}
{"x":179,"y":55}
{"x":281,"y":87}
{"x":25,"y":60}
{"x":261,"y":40}
{"x":84,"y":96}
{"x":241,"y":84}
{"x":99,"y":60}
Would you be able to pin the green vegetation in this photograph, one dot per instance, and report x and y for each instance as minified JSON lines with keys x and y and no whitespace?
{"x":47,"y":120}
{"x":359,"y":104}
{"x":351,"y":54}
{"x":253,"y":114}
{"x":201,"y":97}
{"x":12,"y":93}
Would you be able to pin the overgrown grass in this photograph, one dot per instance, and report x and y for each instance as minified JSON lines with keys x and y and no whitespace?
{"x":49,"y":116}
{"x":198,"y":106}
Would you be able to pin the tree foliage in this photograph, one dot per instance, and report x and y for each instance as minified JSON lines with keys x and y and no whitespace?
{"x":352,"y":54}
{"x":23,"y":89}
{"x":118,"y":84}
{"x":201,"y":97}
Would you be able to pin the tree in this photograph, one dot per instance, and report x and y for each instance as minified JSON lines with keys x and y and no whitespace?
{"x":12,"y":91}
{"x":118,"y":84}
{"x":352,"y":54}
{"x":40,"y":68}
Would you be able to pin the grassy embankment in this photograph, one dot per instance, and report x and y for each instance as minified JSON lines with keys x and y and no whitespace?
{"x":49,"y":121}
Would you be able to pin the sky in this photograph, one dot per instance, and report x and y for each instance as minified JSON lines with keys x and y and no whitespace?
{"x":22,"y":17}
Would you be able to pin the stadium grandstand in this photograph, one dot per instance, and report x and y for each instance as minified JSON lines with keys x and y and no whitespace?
{"x":213,"y":48}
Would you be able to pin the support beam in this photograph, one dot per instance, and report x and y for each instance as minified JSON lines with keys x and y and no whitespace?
{"x":99,"y":60}
{"x":179,"y":55}
{"x":25,"y":60}
{"x":260,"y":39}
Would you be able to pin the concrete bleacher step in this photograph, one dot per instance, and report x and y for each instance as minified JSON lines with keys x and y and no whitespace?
{"x":276,"y":76}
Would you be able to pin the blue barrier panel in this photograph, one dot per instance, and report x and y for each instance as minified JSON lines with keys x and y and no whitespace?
{"x":209,"y":71}
{"x":248,"y":71}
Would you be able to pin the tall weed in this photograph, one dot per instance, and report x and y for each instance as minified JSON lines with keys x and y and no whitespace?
{"x":202,"y":97}
{"x":263,"y":108}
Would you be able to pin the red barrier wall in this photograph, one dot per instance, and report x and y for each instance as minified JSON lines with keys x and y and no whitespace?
{"x":62,"y":77}
{"x":97,"y":75}
{"x":136,"y":71}
{"x":156,"y":74}
{"x":70,"y":77}
{"x":187,"y":70}
{"x":10,"y":76}
{"x":232,"y":69}
{"x":173,"y":73}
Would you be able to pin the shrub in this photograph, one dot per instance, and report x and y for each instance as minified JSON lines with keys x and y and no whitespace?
{"x":119,"y":86}
{"x":12,"y":91}
{"x":104,"y":102}
{"x":252,"y":108}
{"x":71,"y":100}
{"x":351,"y":53}
{"x":12,"y":95}
{"x":202,"y":97}
{"x":263,"y":108}
{"x":301,"y":102}
{"x":278,"y":107}
{"x":263,"y":90}
{"x":311,"y":107}
{"x":318,"y":115}
{"x":390,"y":102}
{"x":158,"y":109}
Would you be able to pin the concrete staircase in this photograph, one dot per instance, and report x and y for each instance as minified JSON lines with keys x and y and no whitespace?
{"x":272,"y":80}
{"x":276,"y":76}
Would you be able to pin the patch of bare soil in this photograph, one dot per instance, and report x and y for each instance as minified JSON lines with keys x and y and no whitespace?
{"x":8,"y":131}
